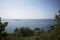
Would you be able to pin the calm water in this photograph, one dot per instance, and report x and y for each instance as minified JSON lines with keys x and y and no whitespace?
{"x":31,"y":23}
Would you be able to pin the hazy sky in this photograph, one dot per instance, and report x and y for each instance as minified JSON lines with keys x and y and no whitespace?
{"x":29,"y":9}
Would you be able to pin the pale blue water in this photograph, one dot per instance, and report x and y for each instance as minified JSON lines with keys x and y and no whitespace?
{"x":31,"y":23}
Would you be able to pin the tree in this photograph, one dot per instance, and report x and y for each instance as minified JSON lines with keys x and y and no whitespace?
{"x":37,"y":31}
{"x":55,"y":33}
{"x":2,"y":29}
{"x":24,"y":31}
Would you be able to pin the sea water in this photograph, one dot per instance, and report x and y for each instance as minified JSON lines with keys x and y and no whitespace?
{"x":31,"y":23}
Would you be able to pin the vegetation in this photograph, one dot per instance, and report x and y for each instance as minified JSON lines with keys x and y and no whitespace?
{"x":26,"y":33}
{"x":3,"y":34}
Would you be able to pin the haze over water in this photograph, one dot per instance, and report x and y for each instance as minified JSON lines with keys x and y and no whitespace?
{"x":31,"y":23}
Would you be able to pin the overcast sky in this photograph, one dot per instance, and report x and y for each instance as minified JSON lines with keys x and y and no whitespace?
{"x":29,"y":9}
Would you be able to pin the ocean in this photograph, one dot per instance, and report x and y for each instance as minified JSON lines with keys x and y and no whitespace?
{"x":31,"y":23}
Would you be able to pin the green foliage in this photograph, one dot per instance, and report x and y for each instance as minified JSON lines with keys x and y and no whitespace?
{"x":24,"y":31}
{"x":37,"y":31}
{"x":2,"y":29}
{"x":55,"y":33}
{"x":58,"y":17}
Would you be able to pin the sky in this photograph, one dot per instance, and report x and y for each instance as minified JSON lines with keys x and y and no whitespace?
{"x":29,"y":9}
